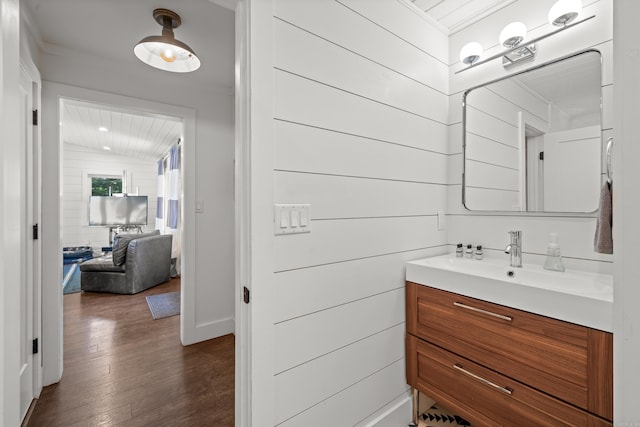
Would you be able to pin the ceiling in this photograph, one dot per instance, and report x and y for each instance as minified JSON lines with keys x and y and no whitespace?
{"x":128,"y":133}
{"x":454,"y":15}
{"x":110,"y":29}
{"x":573,"y":85}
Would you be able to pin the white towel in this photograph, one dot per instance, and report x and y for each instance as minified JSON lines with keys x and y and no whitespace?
{"x":603,"y":241}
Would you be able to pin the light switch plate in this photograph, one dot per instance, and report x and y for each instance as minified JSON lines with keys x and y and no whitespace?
{"x":291,"y":218}
{"x":442,"y":221}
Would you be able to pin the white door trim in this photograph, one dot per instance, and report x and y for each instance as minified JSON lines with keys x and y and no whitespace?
{"x":242,"y":192}
{"x":255,"y":384}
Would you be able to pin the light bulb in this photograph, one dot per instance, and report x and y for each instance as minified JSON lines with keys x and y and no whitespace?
{"x":168,"y":55}
{"x":564,"y":12}
{"x":470,"y":53}
{"x":513,"y":34}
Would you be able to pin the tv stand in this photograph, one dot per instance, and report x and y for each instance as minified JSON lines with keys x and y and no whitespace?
{"x":121,"y":228}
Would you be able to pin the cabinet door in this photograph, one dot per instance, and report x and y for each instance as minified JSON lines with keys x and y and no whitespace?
{"x":483,"y":396}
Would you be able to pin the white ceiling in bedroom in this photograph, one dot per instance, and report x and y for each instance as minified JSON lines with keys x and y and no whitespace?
{"x":129,"y":133}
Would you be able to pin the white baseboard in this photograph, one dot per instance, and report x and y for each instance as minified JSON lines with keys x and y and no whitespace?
{"x":210,"y":330}
{"x":395,"y":414}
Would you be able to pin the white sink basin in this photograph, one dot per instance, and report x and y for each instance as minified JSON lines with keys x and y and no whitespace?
{"x":573,"y":296}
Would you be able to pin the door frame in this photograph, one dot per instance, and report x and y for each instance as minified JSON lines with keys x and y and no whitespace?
{"x":52,"y":308}
{"x":255,"y":331}
{"x":242,"y":192}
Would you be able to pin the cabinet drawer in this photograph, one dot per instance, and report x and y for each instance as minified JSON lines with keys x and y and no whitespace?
{"x":483,"y":396}
{"x":544,"y":353}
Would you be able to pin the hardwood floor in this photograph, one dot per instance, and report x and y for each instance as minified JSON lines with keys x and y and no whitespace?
{"x":123,"y":368}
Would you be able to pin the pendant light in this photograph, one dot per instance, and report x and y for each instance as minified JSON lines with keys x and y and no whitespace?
{"x":164,"y":51}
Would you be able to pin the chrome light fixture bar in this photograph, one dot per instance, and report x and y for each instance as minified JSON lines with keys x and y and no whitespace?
{"x":529,"y":45}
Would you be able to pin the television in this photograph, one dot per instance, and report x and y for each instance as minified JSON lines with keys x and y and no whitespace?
{"x":113,"y":211}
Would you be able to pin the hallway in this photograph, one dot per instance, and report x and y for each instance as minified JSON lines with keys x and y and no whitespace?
{"x":121,"y":367}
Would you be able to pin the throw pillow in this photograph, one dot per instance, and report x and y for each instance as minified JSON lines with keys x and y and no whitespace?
{"x":121,"y":243}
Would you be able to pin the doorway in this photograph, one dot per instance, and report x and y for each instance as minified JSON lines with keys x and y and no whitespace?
{"x":54,"y":97}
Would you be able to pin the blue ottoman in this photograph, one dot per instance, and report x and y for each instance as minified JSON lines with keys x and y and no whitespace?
{"x":76,"y":254}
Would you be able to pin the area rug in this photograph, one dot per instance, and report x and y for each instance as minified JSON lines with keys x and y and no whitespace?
{"x":70,"y":278}
{"x":164,"y":305}
{"x":438,"y":417}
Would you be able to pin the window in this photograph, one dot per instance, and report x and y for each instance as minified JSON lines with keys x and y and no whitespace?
{"x":100,"y":185}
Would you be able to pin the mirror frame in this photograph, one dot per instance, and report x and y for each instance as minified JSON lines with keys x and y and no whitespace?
{"x":464,"y":136}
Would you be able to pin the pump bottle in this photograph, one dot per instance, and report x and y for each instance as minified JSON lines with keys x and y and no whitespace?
{"x":553,"y":261}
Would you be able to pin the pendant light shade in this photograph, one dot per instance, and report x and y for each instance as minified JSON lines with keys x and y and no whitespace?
{"x":164,"y":51}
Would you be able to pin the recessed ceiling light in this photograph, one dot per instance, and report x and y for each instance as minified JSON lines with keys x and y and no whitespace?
{"x":106,"y":148}
{"x":103,"y":129}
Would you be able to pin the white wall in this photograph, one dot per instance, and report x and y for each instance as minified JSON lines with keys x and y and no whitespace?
{"x":626,"y":338}
{"x":359,"y":132}
{"x":80,"y":161}
{"x":489,"y":229}
{"x":11,"y":237}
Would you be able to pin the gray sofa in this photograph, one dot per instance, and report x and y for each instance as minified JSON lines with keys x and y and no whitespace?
{"x":137,"y":262}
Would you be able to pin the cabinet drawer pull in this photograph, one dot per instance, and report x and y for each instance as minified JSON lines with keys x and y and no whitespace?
{"x":478,"y":310}
{"x":504,"y":390}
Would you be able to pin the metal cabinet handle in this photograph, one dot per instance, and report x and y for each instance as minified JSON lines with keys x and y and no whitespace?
{"x":504,"y":390}
{"x":478,"y":310}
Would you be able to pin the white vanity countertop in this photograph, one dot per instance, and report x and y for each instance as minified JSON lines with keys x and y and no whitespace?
{"x":574,"y":296}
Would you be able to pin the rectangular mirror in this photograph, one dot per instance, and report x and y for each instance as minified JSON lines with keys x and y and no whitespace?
{"x":533,"y":141}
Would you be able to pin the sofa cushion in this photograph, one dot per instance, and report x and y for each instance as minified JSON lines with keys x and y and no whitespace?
{"x":121,"y":242}
{"x":101,"y":264}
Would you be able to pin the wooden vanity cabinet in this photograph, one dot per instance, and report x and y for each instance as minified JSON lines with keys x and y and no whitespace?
{"x":496,"y":365}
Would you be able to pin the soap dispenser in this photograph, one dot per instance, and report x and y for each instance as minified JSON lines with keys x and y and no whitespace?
{"x":553,"y":261}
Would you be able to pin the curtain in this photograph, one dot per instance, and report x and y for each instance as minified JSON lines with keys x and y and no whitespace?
{"x":160,"y":198}
{"x":173,"y":211}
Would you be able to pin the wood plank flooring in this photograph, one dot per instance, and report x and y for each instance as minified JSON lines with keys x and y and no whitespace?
{"x":123,"y":368}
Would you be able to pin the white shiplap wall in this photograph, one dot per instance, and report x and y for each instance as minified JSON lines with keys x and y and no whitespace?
{"x":79,"y":161}
{"x":490,"y":229}
{"x":360,"y":133}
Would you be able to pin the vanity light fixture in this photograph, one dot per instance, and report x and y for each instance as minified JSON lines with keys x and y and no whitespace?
{"x":513,"y":34}
{"x":563,"y":14}
{"x":471,"y":53}
{"x":164,"y":51}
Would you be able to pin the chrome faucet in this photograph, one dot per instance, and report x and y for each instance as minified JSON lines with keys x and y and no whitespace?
{"x":515,"y":248}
